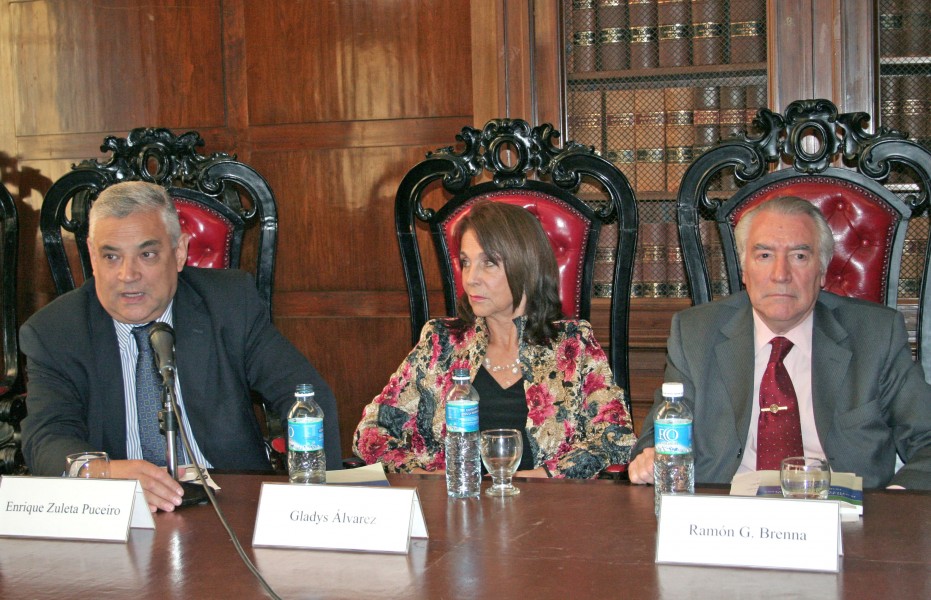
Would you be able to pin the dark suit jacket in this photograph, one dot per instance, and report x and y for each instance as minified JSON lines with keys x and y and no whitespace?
{"x":870,"y":399}
{"x":225,"y":346}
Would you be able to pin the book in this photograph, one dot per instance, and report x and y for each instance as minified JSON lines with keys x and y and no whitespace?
{"x":650,"y":134}
{"x":708,"y":23}
{"x":643,"y":45}
{"x":613,"y":37}
{"x":585,"y":118}
{"x":621,"y":142}
{"x":748,"y":31}
{"x":680,"y":134}
{"x":846,"y":488}
{"x":674,"y":32}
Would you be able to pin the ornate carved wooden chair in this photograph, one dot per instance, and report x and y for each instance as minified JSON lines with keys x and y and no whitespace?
{"x":221,"y":204}
{"x":219,"y":200}
{"x":12,"y":406}
{"x":870,"y":218}
{"x":510,"y":151}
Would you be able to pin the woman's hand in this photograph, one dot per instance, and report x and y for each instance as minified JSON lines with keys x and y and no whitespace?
{"x":539,"y":472}
{"x":419,"y":471}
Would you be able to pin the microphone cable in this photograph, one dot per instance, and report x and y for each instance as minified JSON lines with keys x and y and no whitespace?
{"x":202,"y":477}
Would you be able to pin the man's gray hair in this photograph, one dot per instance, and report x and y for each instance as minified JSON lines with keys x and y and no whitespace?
{"x":131,"y":197}
{"x":788,"y":205}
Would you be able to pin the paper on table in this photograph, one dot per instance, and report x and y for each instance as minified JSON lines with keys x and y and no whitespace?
{"x":846,"y":489}
{"x":189,"y":473}
{"x":368,"y":475}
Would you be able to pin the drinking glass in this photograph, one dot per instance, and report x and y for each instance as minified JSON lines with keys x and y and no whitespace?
{"x":804,"y":477}
{"x":89,"y":465}
{"x":501,"y":452}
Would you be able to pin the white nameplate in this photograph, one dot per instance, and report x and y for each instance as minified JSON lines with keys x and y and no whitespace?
{"x":766,"y":533}
{"x":72,"y":508}
{"x":335,"y":517}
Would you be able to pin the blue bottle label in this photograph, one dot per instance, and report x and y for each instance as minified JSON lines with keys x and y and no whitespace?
{"x":672,"y":436}
{"x":305,"y":434}
{"x":462,"y":416}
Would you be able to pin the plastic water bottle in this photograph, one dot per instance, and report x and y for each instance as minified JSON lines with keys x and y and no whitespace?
{"x":674,"y":464}
{"x":306,"y":457}
{"x":463,"y":455}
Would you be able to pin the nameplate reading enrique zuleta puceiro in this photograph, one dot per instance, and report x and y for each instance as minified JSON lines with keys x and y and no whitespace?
{"x":72,"y":508}
{"x":334,"y":517}
{"x":763,"y":533}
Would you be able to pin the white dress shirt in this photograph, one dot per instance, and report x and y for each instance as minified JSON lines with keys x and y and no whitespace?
{"x":128,"y":354}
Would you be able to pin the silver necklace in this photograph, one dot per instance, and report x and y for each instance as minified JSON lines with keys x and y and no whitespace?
{"x":498,"y":368}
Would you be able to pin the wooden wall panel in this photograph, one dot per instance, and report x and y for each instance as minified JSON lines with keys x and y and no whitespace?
{"x":364,"y":351}
{"x":336,"y":211}
{"x":111,"y":65}
{"x":367,"y":59}
{"x":332,"y":101}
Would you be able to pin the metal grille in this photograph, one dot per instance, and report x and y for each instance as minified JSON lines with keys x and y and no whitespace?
{"x":651,"y":85}
{"x":905,"y":105}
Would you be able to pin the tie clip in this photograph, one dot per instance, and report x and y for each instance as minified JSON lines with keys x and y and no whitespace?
{"x":775,"y":408}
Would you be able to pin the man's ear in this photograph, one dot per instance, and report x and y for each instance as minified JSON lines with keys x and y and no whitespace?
{"x":180,"y":251}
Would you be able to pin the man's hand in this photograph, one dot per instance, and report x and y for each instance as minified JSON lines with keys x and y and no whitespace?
{"x":641,"y":468}
{"x":161,"y":491}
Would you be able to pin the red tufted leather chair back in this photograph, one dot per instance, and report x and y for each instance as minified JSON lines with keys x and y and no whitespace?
{"x":567,"y":229}
{"x":863,"y":225}
{"x":510,"y":161}
{"x":211,"y":234}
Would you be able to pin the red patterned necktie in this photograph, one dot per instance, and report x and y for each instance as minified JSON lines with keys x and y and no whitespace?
{"x":779,"y":430}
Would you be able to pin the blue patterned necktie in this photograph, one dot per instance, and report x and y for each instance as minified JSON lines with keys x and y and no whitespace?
{"x":148,"y":398}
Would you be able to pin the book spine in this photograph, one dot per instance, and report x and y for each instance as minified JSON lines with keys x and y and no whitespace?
{"x":643,"y":41}
{"x":707,"y":120}
{"x":650,"y":140}
{"x":916,"y":27}
{"x":733,"y":103}
{"x":620,"y":132}
{"x":585,"y":125}
{"x":891,"y":35}
{"x":584,"y":36}
{"x":613,"y":36}
{"x":714,"y":258}
{"x":747,"y":31}
{"x":680,"y":134}
{"x":605,"y":255}
{"x":653,"y":259}
{"x":674,"y":32}
{"x":708,"y":32}
{"x":915,"y":119}
{"x":756,"y":99}
{"x":676,"y":287}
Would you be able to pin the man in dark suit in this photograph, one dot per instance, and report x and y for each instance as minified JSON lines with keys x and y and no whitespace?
{"x":81,"y":353}
{"x":861,"y":399}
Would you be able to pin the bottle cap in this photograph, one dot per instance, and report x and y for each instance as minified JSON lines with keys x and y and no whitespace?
{"x":304,"y":389}
{"x":673,"y":390}
{"x":461,"y":373}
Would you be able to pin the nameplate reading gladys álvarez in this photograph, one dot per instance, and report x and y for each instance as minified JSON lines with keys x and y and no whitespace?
{"x":334,"y":517}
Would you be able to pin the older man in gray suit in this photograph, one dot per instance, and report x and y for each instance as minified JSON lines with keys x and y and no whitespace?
{"x":861,"y":399}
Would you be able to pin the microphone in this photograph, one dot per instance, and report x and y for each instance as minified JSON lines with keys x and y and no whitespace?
{"x":162,"y":339}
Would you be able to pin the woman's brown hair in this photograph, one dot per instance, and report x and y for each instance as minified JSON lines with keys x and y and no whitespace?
{"x":511,"y":236}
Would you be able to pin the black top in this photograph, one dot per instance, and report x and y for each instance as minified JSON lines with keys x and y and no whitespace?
{"x":500,"y":408}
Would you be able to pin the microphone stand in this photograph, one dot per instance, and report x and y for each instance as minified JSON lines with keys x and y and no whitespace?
{"x":193,"y":493}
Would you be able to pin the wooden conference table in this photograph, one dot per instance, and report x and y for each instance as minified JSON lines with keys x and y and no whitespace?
{"x":557,"y":539}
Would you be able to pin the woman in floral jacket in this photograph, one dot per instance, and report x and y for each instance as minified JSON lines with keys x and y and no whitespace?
{"x":534,"y":372}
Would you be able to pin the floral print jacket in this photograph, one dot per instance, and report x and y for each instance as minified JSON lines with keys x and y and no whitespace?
{"x":578,"y":423}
